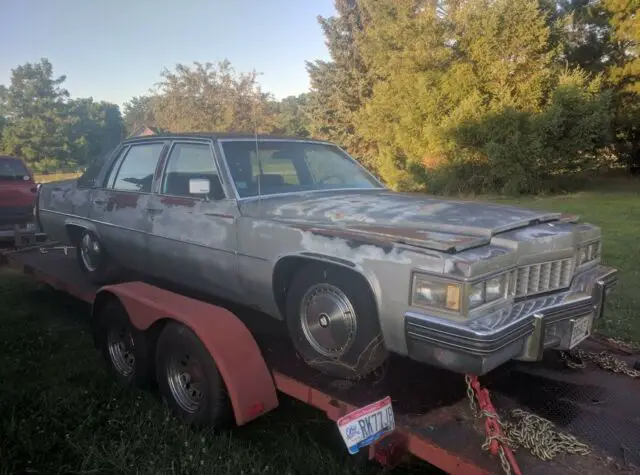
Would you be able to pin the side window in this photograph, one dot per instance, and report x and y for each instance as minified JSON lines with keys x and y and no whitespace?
{"x":138,"y":167}
{"x":189,"y":161}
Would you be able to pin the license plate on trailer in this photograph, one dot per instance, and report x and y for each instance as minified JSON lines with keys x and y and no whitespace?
{"x":580,"y":330}
{"x":366,"y":425}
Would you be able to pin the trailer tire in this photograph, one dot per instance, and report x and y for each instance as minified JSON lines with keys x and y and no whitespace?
{"x":124,"y":347}
{"x":92,"y":257}
{"x":189,"y":380}
{"x":327,"y":305}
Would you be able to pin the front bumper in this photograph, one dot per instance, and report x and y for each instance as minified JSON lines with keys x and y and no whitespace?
{"x":523,"y":331}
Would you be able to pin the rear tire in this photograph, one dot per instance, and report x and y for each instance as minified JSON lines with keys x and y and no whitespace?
{"x":189,"y":380}
{"x":92,"y":258}
{"x":333,"y":322}
{"x":123,"y":346}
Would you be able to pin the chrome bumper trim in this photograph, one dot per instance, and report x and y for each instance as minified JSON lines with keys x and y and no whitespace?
{"x":527,"y":328}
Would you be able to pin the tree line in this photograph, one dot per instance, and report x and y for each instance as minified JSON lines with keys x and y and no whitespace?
{"x":508,"y":96}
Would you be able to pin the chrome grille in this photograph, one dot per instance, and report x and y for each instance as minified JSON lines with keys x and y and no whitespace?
{"x":544,"y":277}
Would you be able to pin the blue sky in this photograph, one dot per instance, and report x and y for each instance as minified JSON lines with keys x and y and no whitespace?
{"x":115,"y":49}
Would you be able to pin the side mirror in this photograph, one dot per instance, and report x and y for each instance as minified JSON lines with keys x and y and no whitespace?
{"x":199,"y":187}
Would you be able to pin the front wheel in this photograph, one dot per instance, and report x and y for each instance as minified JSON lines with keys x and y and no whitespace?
{"x":333,"y":322}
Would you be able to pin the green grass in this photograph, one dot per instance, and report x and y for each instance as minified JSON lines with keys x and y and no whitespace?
{"x":617,"y":211}
{"x":61,"y":412}
{"x":40,"y":178}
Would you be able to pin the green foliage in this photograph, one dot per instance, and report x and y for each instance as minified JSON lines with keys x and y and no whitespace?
{"x":466,"y":96}
{"x":139,"y":111}
{"x":514,"y":152}
{"x":43,"y":126}
{"x":212,"y":97}
{"x":340,"y":87}
{"x":292,"y":116}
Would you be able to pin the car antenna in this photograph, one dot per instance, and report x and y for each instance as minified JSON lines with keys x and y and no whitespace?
{"x":259,"y":163}
{"x":255,"y":130}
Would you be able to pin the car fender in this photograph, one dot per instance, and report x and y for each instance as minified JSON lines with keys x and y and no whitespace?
{"x":84,"y":224}
{"x":369,"y":276}
{"x":246,"y":376}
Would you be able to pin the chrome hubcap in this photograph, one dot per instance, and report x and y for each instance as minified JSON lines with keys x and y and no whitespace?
{"x":328,"y":320}
{"x":90,"y":252}
{"x":186,"y":381}
{"x":121,"y":351}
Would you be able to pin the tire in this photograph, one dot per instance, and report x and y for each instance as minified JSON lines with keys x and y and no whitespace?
{"x":355,"y":347}
{"x":123,"y":346}
{"x":178,"y":352}
{"x":97,"y":272}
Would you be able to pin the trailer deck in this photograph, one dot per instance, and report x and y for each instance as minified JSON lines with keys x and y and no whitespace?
{"x":433,"y":418}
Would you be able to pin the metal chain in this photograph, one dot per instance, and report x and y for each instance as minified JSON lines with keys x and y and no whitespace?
{"x":539,"y":436}
{"x":472,"y":397}
{"x":530,"y":431}
{"x":603,"y":359}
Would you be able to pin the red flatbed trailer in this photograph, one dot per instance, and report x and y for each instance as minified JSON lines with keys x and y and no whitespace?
{"x":433,"y":418}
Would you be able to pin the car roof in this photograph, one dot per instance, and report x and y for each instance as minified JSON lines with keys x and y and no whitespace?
{"x":218,"y":135}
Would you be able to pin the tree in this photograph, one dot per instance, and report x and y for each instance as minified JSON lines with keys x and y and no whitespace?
{"x":461,"y":94}
{"x":340,"y":87}
{"x":139,"y":111}
{"x":97,"y":130}
{"x":624,"y":75}
{"x":603,"y":37}
{"x":292,"y":116}
{"x":47,"y":128}
{"x":38,"y":125}
{"x":208,"y":97}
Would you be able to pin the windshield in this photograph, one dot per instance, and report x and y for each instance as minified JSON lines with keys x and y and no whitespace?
{"x":12,"y":169}
{"x":287,"y":166}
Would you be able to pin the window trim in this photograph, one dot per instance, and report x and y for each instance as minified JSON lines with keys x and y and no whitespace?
{"x":320,"y":142}
{"x":172,"y":145}
{"x":127,"y":147}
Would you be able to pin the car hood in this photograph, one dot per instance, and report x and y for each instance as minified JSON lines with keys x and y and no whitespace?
{"x":419,"y":220}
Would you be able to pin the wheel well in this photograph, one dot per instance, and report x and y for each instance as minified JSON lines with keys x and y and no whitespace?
{"x":287,"y":267}
{"x":75,"y":233}
{"x":152,"y":333}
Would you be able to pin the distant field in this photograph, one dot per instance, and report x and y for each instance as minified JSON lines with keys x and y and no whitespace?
{"x":40,"y":178}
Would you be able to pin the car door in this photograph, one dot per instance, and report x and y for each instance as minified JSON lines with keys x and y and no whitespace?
{"x":120,"y":207}
{"x":193,"y":232}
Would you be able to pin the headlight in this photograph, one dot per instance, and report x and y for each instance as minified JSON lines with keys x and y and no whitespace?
{"x":427,"y":292}
{"x":487,"y":291}
{"x":476,"y":295}
{"x":495,"y":288}
{"x":431,"y":292}
{"x":588,"y":253}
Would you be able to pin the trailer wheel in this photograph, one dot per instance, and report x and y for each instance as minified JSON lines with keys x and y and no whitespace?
{"x":333,"y":322}
{"x":123,"y":346}
{"x":92,"y":257}
{"x":189,"y":380}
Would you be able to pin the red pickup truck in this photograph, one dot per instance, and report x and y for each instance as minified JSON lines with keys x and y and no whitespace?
{"x":18,"y":192}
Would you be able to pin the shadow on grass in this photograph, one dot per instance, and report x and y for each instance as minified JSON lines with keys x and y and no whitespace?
{"x":62,"y":413}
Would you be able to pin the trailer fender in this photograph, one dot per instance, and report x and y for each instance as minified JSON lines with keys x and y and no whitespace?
{"x":245,"y":374}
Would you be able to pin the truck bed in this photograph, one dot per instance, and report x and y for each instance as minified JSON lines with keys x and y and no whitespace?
{"x":431,"y":406}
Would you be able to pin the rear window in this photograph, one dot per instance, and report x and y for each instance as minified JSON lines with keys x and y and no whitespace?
{"x":12,"y":169}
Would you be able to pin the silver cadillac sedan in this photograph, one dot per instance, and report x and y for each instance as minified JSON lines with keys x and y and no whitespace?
{"x":299,"y":230}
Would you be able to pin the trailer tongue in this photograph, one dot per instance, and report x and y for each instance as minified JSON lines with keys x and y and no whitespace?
{"x":406,"y":408}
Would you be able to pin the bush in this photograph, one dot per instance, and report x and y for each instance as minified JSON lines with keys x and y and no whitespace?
{"x":517,"y":152}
